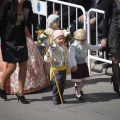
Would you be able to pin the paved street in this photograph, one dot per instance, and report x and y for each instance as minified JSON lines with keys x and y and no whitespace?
{"x":101,"y":103}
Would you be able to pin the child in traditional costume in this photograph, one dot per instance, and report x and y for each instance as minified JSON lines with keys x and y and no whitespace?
{"x":78,"y":53}
{"x":58,"y":53}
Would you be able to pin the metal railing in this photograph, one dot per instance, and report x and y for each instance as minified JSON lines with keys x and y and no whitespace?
{"x":86,"y":25}
{"x":61,"y":3}
{"x":89,"y":37}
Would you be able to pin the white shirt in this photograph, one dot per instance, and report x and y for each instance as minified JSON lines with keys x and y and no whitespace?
{"x":72,"y":58}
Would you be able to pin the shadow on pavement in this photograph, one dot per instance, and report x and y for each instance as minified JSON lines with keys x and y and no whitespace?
{"x":95,"y":81}
{"x":89,"y":98}
{"x":93,"y":97}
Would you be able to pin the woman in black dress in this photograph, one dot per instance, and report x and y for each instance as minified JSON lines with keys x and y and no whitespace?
{"x":15,"y":15}
{"x":113,"y":32}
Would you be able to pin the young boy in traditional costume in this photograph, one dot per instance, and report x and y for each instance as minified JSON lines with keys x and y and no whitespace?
{"x":58,"y":53}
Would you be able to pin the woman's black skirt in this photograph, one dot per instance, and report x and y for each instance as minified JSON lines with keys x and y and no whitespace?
{"x":15,"y":49}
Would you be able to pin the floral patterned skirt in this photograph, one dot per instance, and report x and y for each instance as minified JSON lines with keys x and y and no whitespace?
{"x":35,"y":79}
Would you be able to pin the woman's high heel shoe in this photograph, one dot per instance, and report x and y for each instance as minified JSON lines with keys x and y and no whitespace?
{"x":22,"y":99}
{"x":3,"y":94}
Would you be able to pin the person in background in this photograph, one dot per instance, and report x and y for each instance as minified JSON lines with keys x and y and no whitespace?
{"x":111,"y":36}
{"x":49,"y":12}
{"x":58,"y":53}
{"x":102,"y":5}
{"x":79,"y":69}
{"x":52,"y":24}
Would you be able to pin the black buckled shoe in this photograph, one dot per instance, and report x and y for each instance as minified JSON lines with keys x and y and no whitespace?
{"x":81,"y":92}
{"x":81,"y":98}
{"x":56,"y":102}
{"x":3,"y":94}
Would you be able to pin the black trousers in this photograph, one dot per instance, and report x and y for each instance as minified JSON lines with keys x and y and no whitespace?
{"x":61,"y":79}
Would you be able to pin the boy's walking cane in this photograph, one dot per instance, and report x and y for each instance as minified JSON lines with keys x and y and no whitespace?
{"x":55,"y":76}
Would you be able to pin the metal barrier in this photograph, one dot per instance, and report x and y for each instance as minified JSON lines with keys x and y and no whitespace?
{"x":86,"y":24}
{"x":69,"y":5}
{"x":89,"y":36}
{"x":61,"y":3}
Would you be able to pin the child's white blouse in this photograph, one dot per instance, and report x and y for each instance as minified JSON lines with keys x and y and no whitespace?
{"x":72,"y":53}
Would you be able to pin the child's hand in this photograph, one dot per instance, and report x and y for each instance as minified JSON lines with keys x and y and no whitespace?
{"x":47,"y":54}
{"x":74,"y":68}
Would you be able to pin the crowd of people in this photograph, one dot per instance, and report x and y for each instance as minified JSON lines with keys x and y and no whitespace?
{"x":26,"y":68}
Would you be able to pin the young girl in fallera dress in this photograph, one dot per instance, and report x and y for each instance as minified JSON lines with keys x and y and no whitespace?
{"x":79,"y":69}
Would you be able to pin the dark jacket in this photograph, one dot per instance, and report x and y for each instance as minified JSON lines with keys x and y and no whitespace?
{"x":111,"y":26}
{"x":1,"y":1}
{"x":101,"y":5}
{"x":85,"y":3}
{"x":8,"y":17}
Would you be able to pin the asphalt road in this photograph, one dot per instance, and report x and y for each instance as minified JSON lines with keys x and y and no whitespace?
{"x":101,"y":103}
